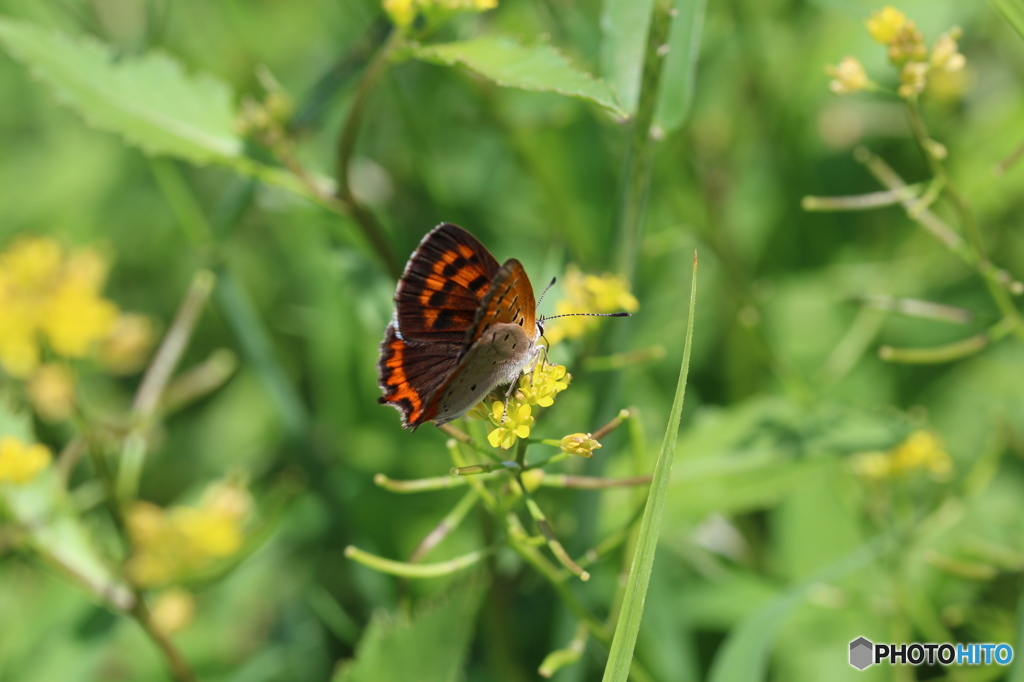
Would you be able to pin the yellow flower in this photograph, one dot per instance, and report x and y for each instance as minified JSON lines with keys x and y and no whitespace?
{"x":589,"y":294}
{"x":912,"y":79}
{"x":20,"y":463}
{"x":48,"y":295}
{"x":921,"y":451}
{"x":171,"y":544}
{"x":847,"y":77}
{"x":517,"y":424}
{"x":540,"y":386}
{"x":885,"y":24}
{"x":126,"y":348}
{"x":581,"y":444}
{"x":173,"y":611}
{"x":945,"y":53}
{"x":405,"y":12}
{"x":52,"y":391}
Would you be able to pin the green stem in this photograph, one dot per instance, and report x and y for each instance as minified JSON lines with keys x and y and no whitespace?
{"x":449,"y":523}
{"x":951,"y":351}
{"x":861,"y":202}
{"x":408,"y":570}
{"x":372,"y":230}
{"x":553,"y":543}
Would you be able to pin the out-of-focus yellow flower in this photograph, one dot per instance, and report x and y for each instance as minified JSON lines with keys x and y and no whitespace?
{"x":20,"y":462}
{"x":52,"y":391}
{"x":532,"y":479}
{"x":516,"y":424}
{"x":885,"y":24}
{"x":589,"y":294}
{"x":48,"y":295}
{"x":404,"y":12}
{"x":540,"y":386}
{"x":581,"y":444}
{"x":173,"y":611}
{"x":126,"y":348}
{"x":913,"y":79}
{"x":945,"y":53}
{"x":171,"y":544}
{"x":848,"y":76}
{"x":921,"y":451}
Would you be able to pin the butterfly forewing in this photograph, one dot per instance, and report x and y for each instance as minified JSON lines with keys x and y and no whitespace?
{"x":509,"y":299}
{"x":443,"y":285}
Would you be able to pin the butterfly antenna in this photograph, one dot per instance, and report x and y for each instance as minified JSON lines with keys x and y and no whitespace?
{"x":550,"y":284}
{"x":551,"y":317}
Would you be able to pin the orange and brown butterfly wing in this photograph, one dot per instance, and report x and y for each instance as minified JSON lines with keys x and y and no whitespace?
{"x":510,"y":299}
{"x":443,"y":285}
{"x":436,"y":302}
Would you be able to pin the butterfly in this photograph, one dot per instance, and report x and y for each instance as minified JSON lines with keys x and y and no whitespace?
{"x":463,"y":325}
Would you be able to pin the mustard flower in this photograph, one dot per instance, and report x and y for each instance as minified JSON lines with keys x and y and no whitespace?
{"x":912,"y":79}
{"x":516,"y":424}
{"x":540,"y":386}
{"x":848,"y":76}
{"x":885,"y":24}
{"x":589,"y":294}
{"x":581,"y":444}
{"x":21,"y":462}
{"x":52,"y":391}
{"x":126,"y":348}
{"x":921,"y":451}
{"x":404,"y":13}
{"x":173,"y":610}
{"x":945,"y":52}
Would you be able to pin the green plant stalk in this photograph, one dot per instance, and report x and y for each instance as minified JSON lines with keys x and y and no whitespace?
{"x":862,"y":202}
{"x":545,"y":528}
{"x":631,"y":613}
{"x":952,"y":351}
{"x":591,"y":482}
{"x":449,"y":523}
{"x":372,"y":230}
{"x":570,"y":655}
{"x":408,"y":570}
{"x":641,"y":147}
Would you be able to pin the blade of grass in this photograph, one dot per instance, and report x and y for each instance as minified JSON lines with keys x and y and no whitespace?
{"x":631,"y":614}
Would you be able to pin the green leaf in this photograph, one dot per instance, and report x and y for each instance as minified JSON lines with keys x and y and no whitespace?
{"x":621,"y":655}
{"x":743,"y":657}
{"x":1013,"y":12}
{"x":430,"y":647}
{"x":624,"y":27}
{"x":54,"y":531}
{"x":680,"y":71}
{"x":511,"y":64}
{"x":148,"y":100}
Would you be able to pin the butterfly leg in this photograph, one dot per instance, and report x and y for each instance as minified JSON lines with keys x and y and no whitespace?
{"x":508,"y":396}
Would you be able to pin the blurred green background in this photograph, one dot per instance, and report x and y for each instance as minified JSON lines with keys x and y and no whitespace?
{"x":774,"y":543}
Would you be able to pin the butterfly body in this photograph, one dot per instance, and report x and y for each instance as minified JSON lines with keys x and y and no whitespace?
{"x":462,"y":326}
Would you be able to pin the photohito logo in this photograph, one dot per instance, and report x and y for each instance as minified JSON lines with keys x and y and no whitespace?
{"x":864,"y":652}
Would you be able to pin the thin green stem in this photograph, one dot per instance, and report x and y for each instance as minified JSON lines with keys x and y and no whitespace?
{"x":449,"y":523}
{"x":408,"y":570}
{"x":545,"y":528}
{"x":951,"y":351}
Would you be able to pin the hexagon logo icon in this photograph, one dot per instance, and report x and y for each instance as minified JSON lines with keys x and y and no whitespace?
{"x":860,"y":653}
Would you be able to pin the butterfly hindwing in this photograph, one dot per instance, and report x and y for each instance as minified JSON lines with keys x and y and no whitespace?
{"x":443,"y":285}
{"x":411,"y":371}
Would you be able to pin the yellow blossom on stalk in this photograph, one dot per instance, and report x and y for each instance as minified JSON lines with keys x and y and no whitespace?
{"x":126,"y":348}
{"x":848,"y":76}
{"x":589,"y":294}
{"x":171,"y":544}
{"x":581,"y":444}
{"x":921,"y":451}
{"x":517,"y":422}
{"x":52,"y":391}
{"x":540,"y":386}
{"x":885,"y":24}
{"x":48,"y":295}
{"x":404,"y":12}
{"x":945,"y":52}
{"x":20,"y":463}
{"x":173,"y":611}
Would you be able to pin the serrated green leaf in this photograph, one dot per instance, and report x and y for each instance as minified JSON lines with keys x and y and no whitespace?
{"x":511,"y":64}
{"x":624,"y":27}
{"x":149,"y":100}
{"x":430,"y":647}
{"x":680,"y":74}
{"x":620,"y":657}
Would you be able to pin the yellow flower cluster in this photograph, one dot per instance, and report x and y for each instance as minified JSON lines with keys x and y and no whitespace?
{"x":921,"y":451}
{"x":589,"y":294}
{"x":50,"y":297}
{"x":539,"y":387}
{"x":21,"y":462}
{"x":907,"y":51}
{"x":404,"y":12}
{"x":172,"y":611}
{"x":172,"y":544}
